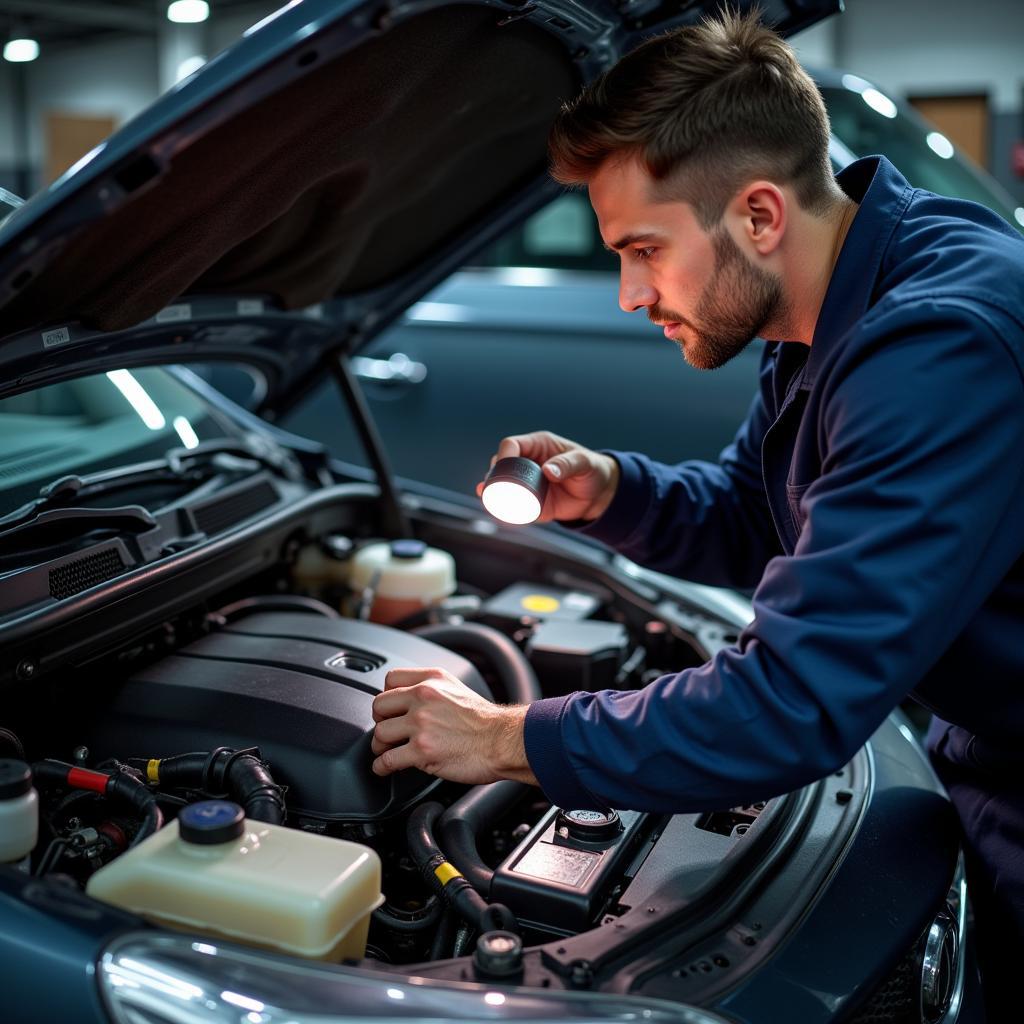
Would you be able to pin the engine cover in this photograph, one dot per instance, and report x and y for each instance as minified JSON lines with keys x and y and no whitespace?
{"x":298,"y":686}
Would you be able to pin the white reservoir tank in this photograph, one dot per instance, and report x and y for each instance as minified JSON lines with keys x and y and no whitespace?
{"x":404,"y":576}
{"x":215,"y":873}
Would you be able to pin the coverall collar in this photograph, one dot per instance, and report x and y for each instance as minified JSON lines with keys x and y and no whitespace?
{"x":883,"y":194}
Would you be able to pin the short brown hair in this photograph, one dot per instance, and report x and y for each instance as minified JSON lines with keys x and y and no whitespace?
{"x":706,"y":108}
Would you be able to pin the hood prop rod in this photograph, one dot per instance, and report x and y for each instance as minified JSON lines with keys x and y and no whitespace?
{"x":395,"y":519}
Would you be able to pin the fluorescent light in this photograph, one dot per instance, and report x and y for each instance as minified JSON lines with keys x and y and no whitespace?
{"x":186,"y":432}
{"x":20,"y":51}
{"x":138,"y":398}
{"x":189,"y":65}
{"x":856,"y":84}
{"x":188,"y":12}
{"x":1019,"y":214}
{"x":879,"y":101}
{"x":939,"y":144}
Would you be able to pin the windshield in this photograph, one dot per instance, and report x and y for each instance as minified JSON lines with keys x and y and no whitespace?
{"x":868,"y":122}
{"x":96,"y":423}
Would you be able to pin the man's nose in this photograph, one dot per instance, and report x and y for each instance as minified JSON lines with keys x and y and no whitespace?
{"x":634,"y":294}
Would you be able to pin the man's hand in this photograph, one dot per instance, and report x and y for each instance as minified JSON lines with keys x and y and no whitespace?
{"x":429,"y":720}
{"x":581,"y":483}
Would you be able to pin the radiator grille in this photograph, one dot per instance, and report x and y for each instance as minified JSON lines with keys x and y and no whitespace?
{"x":82,"y":573}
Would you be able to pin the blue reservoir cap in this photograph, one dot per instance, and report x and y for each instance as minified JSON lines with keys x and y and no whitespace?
{"x":209,"y":822}
{"x":408,"y":548}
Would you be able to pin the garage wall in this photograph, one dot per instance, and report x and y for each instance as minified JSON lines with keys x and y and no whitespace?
{"x":969,"y":48}
{"x":117,"y":79}
{"x":10,"y":162}
{"x":67,"y":81}
{"x":935,"y":47}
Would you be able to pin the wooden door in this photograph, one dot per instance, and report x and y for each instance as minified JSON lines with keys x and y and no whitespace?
{"x":964,"y":120}
{"x":69,"y":137}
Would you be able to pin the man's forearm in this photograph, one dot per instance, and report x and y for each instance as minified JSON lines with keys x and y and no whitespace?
{"x":509,"y":747}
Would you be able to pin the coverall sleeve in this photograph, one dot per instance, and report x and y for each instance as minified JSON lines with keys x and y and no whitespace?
{"x":702,"y":521}
{"x":913,"y":521}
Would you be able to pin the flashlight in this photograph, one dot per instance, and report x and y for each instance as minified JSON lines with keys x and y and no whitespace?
{"x":514,"y":490}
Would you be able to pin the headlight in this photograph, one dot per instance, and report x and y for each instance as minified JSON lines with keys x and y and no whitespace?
{"x":942,"y":958}
{"x":171,"y":979}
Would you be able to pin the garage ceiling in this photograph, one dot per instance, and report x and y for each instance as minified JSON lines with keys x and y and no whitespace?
{"x":73,"y":22}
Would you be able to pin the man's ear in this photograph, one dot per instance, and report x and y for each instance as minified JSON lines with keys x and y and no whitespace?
{"x":761,"y":212}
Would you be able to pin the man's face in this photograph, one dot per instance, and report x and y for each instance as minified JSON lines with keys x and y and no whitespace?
{"x":698,"y":286}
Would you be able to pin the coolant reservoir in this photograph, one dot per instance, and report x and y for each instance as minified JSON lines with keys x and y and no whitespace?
{"x":215,"y":873}
{"x":404,"y":576}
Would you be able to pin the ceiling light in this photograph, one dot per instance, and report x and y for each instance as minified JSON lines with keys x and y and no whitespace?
{"x":939,"y":144}
{"x":879,"y":101}
{"x":19,"y":51}
{"x":188,"y":12}
{"x":190,"y":65}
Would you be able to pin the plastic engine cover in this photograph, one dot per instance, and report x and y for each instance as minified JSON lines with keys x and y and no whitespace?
{"x":298,"y":686}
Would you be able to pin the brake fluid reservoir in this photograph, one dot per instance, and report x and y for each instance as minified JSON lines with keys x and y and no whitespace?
{"x":325,"y":564}
{"x":19,"y":812}
{"x":404,"y":576}
{"x":215,"y":873}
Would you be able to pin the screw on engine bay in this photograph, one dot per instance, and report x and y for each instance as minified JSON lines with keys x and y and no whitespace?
{"x":498,"y":954}
{"x":26,"y":669}
{"x":581,"y":974}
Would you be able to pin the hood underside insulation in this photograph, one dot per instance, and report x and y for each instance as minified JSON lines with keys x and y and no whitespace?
{"x":341,"y":180}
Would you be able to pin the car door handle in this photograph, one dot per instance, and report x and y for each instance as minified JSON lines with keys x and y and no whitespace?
{"x":396,"y":369}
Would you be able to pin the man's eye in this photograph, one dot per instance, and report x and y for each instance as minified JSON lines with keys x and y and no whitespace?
{"x":643,"y":254}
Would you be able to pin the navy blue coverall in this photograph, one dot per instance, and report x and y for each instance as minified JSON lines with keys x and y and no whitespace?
{"x":874,"y":496}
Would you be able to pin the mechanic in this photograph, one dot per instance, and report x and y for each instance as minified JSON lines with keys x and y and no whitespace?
{"x":873,"y":496}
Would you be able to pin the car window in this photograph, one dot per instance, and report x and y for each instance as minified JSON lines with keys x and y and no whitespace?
{"x":95,"y":423}
{"x":561,"y":236}
{"x":869,"y":122}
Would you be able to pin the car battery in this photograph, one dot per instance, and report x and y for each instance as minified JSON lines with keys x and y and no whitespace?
{"x":560,"y":877}
{"x":537,"y":601}
{"x":570,"y":656}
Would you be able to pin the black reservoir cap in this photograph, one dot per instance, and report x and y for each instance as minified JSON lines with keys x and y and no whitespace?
{"x":209,"y":822}
{"x":15,"y":778}
{"x":408,"y":548}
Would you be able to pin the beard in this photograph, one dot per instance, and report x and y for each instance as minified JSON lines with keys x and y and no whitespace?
{"x":733,"y":309}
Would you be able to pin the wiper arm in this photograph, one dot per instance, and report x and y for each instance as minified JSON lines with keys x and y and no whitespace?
{"x":254,"y":447}
{"x":181,"y":464}
{"x":73,"y":522}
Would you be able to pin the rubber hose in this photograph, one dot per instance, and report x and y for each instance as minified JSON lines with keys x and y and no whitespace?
{"x":120,"y":786}
{"x":417,"y":924}
{"x":516,"y":673}
{"x":456,"y":890}
{"x":243,"y":776}
{"x":444,"y":937}
{"x":11,"y":739}
{"x":466,"y":818}
{"x":276,"y":603}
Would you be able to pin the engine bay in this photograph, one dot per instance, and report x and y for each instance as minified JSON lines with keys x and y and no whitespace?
{"x":260,"y":693}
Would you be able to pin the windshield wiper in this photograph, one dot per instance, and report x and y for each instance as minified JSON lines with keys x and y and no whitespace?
{"x":181,"y":465}
{"x":62,"y":524}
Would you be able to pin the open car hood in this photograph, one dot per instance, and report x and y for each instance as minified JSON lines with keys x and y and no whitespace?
{"x":295,"y":195}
